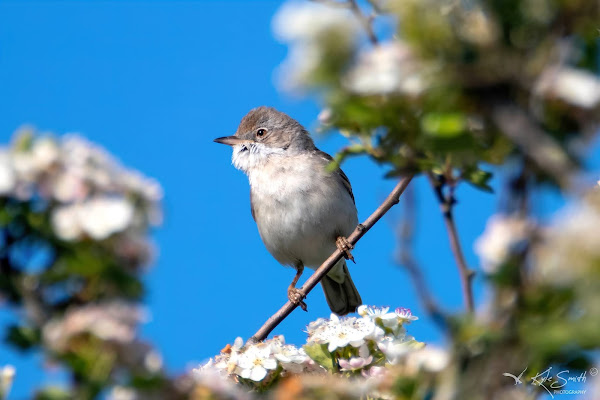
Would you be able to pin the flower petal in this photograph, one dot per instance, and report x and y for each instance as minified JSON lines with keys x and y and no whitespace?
{"x":258,"y":373}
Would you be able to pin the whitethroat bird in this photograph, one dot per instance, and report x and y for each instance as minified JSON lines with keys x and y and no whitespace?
{"x":302,"y":209}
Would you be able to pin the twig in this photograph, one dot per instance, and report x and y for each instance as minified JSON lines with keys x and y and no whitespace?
{"x":406,"y":259}
{"x":392,"y":199}
{"x":466,"y":275}
{"x":534,"y":143}
{"x":334,"y":3}
{"x":366,"y":21}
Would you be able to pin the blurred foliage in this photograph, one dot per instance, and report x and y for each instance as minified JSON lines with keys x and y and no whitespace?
{"x":430,"y":98}
{"x":74,"y":241}
{"x":459,"y":85}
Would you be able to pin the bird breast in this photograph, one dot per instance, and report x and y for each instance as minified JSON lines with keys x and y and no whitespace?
{"x":300,"y":208}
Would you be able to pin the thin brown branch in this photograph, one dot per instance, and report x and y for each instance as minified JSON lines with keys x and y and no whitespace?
{"x":392,"y":199}
{"x":406,"y":260}
{"x":366,"y":21}
{"x":466,"y":274}
{"x":537,"y":145}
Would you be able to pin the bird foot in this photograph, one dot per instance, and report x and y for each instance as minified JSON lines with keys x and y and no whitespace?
{"x":297,"y":296}
{"x":344,"y":245}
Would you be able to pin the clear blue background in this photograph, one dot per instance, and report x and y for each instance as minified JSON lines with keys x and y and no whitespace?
{"x":154,"y":83}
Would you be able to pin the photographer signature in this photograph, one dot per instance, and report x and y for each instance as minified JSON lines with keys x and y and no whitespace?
{"x":547,"y":381}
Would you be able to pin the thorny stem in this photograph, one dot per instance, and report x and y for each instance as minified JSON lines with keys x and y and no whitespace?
{"x":446,"y":204}
{"x":392,"y":199}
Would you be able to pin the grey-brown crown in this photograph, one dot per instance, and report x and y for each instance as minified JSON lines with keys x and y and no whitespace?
{"x":281,"y":130}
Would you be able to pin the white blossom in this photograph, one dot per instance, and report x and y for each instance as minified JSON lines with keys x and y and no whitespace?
{"x":153,"y":361}
{"x":122,"y":393}
{"x":395,"y":349}
{"x":503,"y":236}
{"x":70,"y":186}
{"x":382,"y":319}
{"x":570,"y":240}
{"x":305,"y":21}
{"x":478,"y":28}
{"x":65,"y":222}
{"x":292,"y":359}
{"x":103,"y":216}
{"x":341,"y":332}
{"x":386,"y":69}
{"x":364,"y":359}
{"x":375,"y":372}
{"x":255,"y":362}
{"x":316,"y":33}
{"x":113,"y":321}
{"x":405,"y":314}
{"x":25,"y":166}
{"x":429,"y":358}
{"x":75,"y":172}
{"x":7,"y":375}
{"x":7,"y":175}
{"x":45,"y":152}
{"x":574,"y":86}
{"x":373,"y":312}
{"x":214,"y":378}
{"x":98,"y":218}
{"x":364,"y":341}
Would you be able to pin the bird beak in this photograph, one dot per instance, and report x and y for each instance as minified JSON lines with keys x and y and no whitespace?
{"x":231,"y":140}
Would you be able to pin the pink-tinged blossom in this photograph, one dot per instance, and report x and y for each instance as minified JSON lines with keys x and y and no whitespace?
{"x":405,"y":314}
{"x":376,"y":372}
{"x":113,"y":321}
{"x":354,"y":363}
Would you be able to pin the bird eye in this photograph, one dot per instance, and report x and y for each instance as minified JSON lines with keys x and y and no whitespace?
{"x":261,"y":132}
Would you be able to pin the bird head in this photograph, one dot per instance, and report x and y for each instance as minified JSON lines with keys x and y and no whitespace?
{"x":265,"y":133}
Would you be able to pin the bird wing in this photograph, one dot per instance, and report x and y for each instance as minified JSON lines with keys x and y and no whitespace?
{"x":252,"y":207}
{"x":338,"y":172}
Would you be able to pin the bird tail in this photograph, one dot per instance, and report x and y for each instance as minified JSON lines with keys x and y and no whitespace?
{"x":343,"y":298}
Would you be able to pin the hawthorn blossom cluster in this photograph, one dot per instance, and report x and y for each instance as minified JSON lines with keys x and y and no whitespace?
{"x":113,"y":325}
{"x":260,"y":361}
{"x":111,"y":321}
{"x":318,"y":34}
{"x":88,"y":193}
{"x":568,"y":239}
{"x":365,"y":347}
{"x":391,"y":68}
{"x":571,"y":239}
{"x":504,"y":236}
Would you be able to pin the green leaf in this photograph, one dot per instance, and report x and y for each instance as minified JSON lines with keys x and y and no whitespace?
{"x":444,"y":125}
{"x":319,"y":354}
{"x":478,"y":178}
{"x":53,"y":393}
{"x":352,"y":150}
{"x":23,"y":337}
{"x":24,"y":139}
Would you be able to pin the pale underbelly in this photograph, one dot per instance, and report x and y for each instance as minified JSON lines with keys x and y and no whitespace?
{"x":303,"y":228}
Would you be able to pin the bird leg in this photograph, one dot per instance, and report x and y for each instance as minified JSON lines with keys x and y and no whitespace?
{"x":344,"y":246}
{"x":295,"y":295}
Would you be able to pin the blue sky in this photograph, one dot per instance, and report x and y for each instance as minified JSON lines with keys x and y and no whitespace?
{"x":155,"y":83}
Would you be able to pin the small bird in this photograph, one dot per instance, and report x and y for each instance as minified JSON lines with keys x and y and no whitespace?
{"x":302,"y":209}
